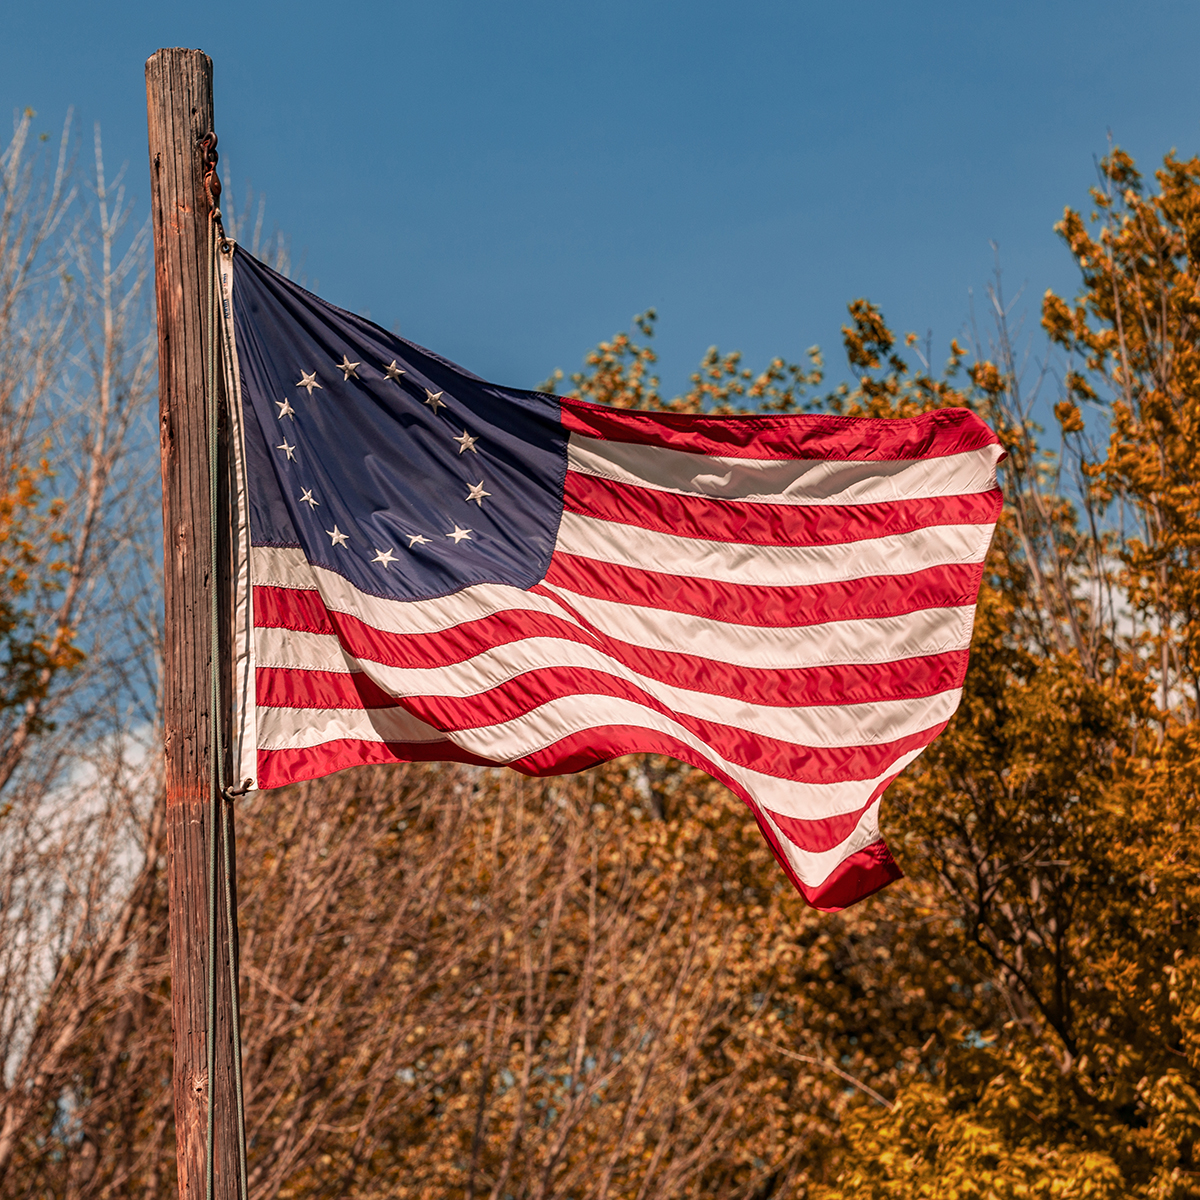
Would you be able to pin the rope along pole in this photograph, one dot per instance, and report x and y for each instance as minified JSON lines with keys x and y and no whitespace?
{"x":210,"y":1029}
{"x":220,"y":796}
{"x":228,"y":794}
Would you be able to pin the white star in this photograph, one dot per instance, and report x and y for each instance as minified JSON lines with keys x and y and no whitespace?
{"x":337,"y":536}
{"x":384,"y":556}
{"x":285,"y":410}
{"x":308,"y":379}
{"x":415,"y":539}
{"x":288,"y":450}
{"x":477,"y":493}
{"x":434,"y":400}
{"x":393,"y":372}
{"x":307,"y":498}
{"x":347,"y":368}
{"x":459,"y":534}
{"x":466,"y":442}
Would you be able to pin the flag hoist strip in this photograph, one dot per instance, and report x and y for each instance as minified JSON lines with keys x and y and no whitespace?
{"x":433,"y":567}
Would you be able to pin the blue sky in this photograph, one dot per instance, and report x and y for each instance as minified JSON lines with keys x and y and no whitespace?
{"x":509,"y":183}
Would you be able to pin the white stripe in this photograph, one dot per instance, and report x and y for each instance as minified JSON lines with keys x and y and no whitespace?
{"x":771,"y":566}
{"x":304,"y":728}
{"x":817,"y":725}
{"x":287,"y":567}
{"x":557,"y":719}
{"x":866,"y":640}
{"x":803,"y":862}
{"x":784,"y":481}
{"x":815,"y":801}
{"x":297,"y":649}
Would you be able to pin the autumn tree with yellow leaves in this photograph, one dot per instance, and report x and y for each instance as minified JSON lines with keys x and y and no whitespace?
{"x":1051,"y":829}
{"x":462,"y":983}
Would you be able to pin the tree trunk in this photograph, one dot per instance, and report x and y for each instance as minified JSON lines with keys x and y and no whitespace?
{"x":179,"y":112}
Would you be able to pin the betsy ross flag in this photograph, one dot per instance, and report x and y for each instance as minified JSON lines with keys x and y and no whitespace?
{"x":433,"y":567}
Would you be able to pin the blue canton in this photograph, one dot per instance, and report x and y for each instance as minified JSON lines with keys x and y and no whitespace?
{"x":402,"y":472}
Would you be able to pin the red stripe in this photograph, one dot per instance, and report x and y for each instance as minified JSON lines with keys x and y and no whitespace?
{"x":283,"y":687}
{"x":301,"y":609}
{"x":863,"y":874}
{"x":857,"y":876}
{"x":849,"y":683}
{"x":754,"y":524}
{"x":530,"y":690}
{"x":950,"y":586}
{"x":823,"y":833}
{"x":931,"y":435}
{"x":278,"y":768}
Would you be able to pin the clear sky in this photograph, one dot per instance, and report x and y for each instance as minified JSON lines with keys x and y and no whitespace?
{"x":507,"y":183}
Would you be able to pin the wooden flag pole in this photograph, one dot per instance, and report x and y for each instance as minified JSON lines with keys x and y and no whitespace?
{"x":179,"y":104}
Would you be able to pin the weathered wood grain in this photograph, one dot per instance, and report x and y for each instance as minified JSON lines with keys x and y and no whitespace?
{"x":179,"y":106}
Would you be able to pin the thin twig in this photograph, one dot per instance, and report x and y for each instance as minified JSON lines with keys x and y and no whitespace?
{"x":828,"y":1066}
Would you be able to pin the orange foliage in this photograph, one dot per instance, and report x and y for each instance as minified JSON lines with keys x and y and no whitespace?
{"x":460,"y":983}
{"x":30,"y":656}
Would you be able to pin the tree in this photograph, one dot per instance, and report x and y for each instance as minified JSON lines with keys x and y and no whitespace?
{"x":461,"y":983}
{"x":1053,"y":822}
{"x":34,"y":309}
{"x":78,"y":620}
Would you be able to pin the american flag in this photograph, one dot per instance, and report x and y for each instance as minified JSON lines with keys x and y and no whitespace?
{"x":434,"y":567}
